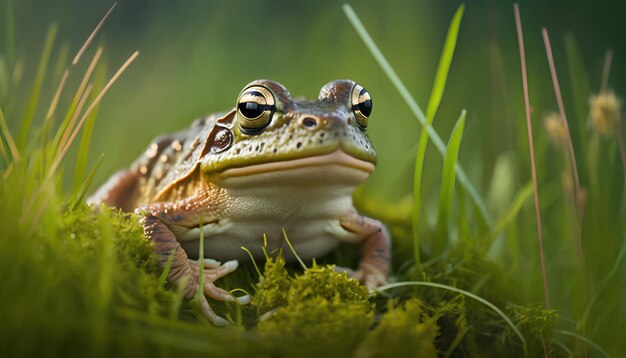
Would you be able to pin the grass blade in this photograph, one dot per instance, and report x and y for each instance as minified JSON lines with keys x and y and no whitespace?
{"x":4,"y":79}
{"x":579,"y":196}
{"x":445,"y":61}
{"x":83,"y":189}
{"x":467,"y":294}
{"x":580,"y":91}
{"x":291,"y":248}
{"x":606,"y":70}
{"x":586,"y":340}
{"x":57,"y":95}
{"x":91,"y":107}
{"x":68,"y":123}
{"x":465,"y":234}
{"x":439,"y":85}
{"x":604,"y":87}
{"x":72,"y":114}
{"x":522,"y":54}
{"x":47,"y":122}
{"x":448,"y":179}
{"x":601,"y":284}
{"x":406,"y":96}
{"x":520,"y":199}
{"x":39,"y":78}
{"x":92,"y":35}
{"x":578,"y":193}
{"x":85,"y":140}
{"x":6,"y":134}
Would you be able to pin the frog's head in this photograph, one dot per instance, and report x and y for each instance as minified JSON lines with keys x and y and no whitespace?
{"x":269,"y":130}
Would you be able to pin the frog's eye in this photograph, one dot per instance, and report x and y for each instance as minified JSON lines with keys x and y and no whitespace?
{"x":361,"y":105}
{"x":255,"y":108}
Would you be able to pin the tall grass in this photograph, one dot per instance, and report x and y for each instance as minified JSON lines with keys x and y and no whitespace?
{"x":510,"y":218}
{"x":531,"y":145}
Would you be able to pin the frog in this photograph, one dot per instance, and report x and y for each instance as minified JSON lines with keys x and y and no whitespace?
{"x":273,"y":173}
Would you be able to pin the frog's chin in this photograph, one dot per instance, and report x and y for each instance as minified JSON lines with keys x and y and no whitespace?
{"x":337,"y":160}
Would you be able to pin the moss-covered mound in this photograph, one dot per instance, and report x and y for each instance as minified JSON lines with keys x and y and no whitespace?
{"x":85,"y":282}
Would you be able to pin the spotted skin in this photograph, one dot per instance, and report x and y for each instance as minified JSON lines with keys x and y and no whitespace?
{"x":296,"y":172}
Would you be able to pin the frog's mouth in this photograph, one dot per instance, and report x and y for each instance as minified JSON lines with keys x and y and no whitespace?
{"x":338,"y":157}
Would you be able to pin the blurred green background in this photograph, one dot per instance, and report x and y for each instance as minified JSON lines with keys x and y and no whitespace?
{"x":195,"y":57}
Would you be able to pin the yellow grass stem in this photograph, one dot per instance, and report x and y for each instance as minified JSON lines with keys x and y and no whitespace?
{"x":93,"y":104}
{"x":70,"y":125}
{"x":522,"y":53}
{"x":15,"y":153}
{"x":293,"y":250}
{"x":579,"y":194}
{"x":92,"y":35}
{"x":76,"y":101}
{"x":578,"y":198}
{"x":57,"y":95}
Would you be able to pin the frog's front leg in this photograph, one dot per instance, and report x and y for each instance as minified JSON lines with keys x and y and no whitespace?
{"x":375,"y":249}
{"x":159,"y":221}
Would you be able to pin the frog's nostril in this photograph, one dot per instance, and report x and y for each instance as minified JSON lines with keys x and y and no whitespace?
{"x":309,"y":121}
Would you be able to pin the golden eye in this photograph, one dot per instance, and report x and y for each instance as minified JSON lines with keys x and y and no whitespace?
{"x":255,"y":108}
{"x":361,"y":105}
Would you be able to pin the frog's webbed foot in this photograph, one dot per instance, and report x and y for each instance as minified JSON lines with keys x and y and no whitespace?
{"x":369,"y":275}
{"x":155,"y":220}
{"x":375,"y":249}
{"x":213,"y":271}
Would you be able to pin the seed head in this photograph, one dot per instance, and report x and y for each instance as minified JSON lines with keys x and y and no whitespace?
{"x":556,"y":131}
{"x":604,"y":112}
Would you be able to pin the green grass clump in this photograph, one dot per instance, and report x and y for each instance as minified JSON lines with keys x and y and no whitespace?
{"x":72,"y":283}
{"x":317,"y":309}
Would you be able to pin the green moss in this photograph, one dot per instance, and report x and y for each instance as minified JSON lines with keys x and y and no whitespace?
{"x":311,"y":312}
{"x":536,"y":323}
{"x":404,"y":330}
{"x":273,"y":285}
{"x":73,"y":285}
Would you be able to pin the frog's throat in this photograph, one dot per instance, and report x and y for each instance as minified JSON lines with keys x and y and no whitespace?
{"x":337,"y":157}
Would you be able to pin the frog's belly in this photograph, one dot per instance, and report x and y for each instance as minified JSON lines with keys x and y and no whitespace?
{"x":308,"y":209}
{"x":308,"y":240}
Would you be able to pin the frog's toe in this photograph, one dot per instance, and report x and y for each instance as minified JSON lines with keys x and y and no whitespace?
{"x":208,"y":263}
{"x":212,"y":263}
{"x":244,"y":300}
{"x":370,"y":276}
{"x":210,"y":315}
{"x":213,"y":274}
{"x":372,"y":282}
{"x":347,"y":270}
{"x":213,"y":269}
{"x":216,"y":293}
